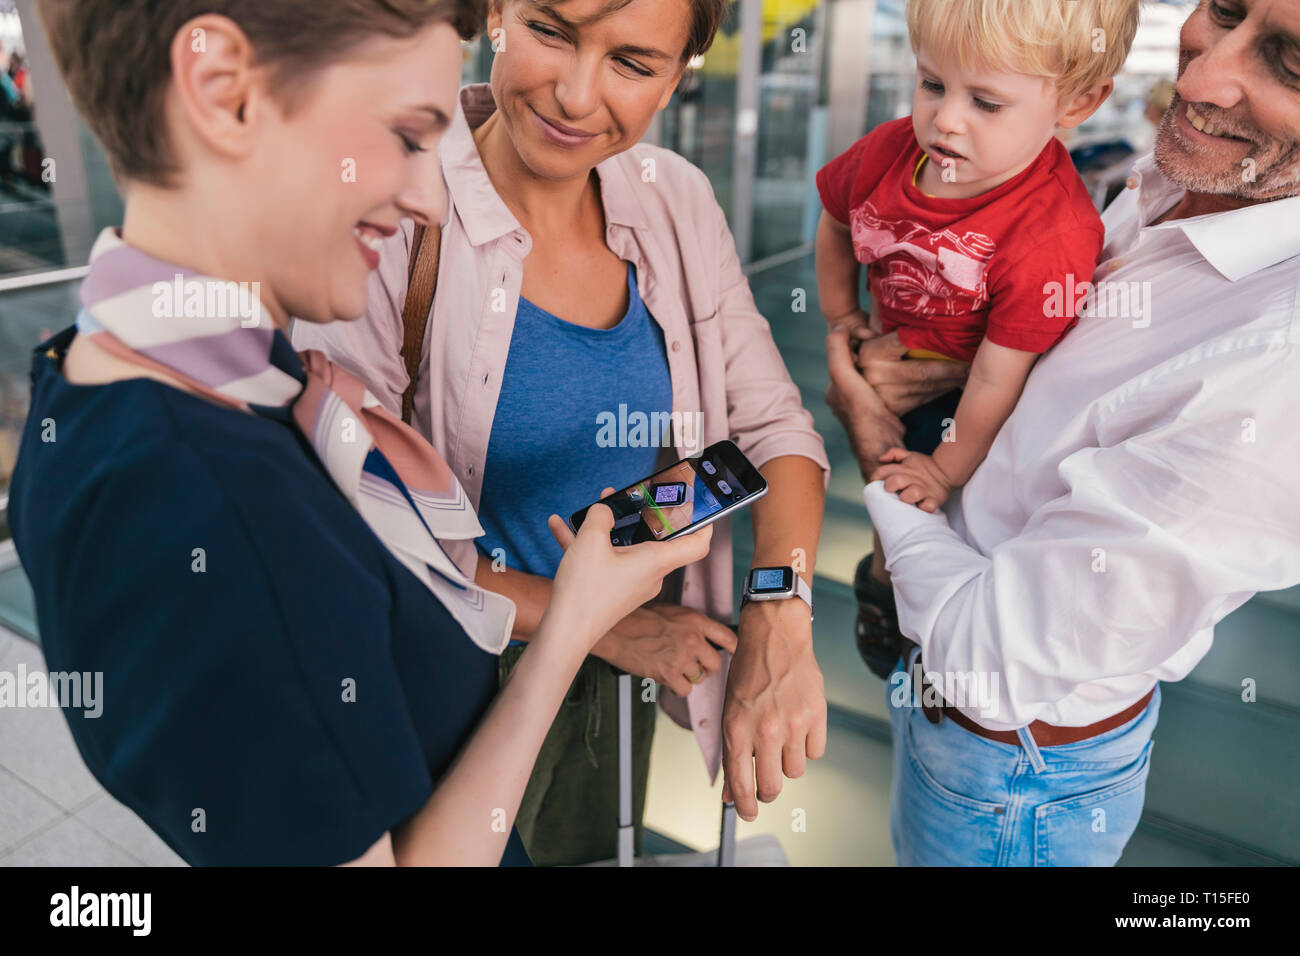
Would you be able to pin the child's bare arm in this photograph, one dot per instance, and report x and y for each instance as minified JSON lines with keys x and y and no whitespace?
{"x":997,"y":377}
{"x":838,"y":271}
{"x":996,"y":380}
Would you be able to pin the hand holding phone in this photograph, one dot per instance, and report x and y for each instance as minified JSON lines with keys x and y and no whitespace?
{"x":683,"y":498}
{"x":598,"y":584}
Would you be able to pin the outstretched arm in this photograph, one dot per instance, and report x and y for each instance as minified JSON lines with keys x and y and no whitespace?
{"x":775,"y":714}
{"x":468,"y":818}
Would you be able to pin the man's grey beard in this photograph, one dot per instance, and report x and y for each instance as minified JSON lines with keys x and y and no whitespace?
{"x":1279,"y":180}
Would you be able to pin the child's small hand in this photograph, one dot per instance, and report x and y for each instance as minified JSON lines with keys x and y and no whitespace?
{"x":859,"y":327}
{"x":916,"y":478}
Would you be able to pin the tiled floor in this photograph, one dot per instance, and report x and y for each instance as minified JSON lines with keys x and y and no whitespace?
{"x":52,"y":811}
{"x":837,"y":813}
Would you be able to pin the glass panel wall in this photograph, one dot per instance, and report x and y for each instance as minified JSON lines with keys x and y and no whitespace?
{"x":700,"y":122}
{"x":27,"y":317}
{"x":791,"y":126}
{"x":56,"y":190}
{"x":891,"y":64}
{"x":783,"y":131}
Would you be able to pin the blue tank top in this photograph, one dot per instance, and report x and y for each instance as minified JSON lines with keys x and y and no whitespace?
{"x":575,"y":415}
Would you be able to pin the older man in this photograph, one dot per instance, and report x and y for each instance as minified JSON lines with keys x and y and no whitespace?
{"x":1144,"y":488}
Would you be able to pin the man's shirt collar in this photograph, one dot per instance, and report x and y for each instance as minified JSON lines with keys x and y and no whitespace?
{"x":1236,"y":243}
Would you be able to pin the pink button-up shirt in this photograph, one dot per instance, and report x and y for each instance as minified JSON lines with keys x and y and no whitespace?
{"x":660,"y":215}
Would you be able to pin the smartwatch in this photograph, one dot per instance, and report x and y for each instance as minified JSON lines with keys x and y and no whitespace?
{"x":776,"y":584}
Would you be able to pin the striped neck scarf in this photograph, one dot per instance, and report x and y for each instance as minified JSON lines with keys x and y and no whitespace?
{"x":212,"y":336}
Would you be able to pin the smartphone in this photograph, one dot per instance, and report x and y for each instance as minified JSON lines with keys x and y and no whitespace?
{"x":682,"y":498}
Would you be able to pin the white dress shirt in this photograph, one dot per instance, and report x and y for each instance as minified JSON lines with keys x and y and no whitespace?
{"x":1146,"y":485}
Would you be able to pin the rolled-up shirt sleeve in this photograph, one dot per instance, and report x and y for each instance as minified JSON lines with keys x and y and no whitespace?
{"x":371,"y":347}
{"x":765,"y":411}
{"x":1158,"y":536}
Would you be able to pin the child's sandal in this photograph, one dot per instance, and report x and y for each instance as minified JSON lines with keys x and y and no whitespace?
{"x":880,"y":642}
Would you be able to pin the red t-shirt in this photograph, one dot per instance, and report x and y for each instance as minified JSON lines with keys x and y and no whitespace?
{"x":948,"y":272}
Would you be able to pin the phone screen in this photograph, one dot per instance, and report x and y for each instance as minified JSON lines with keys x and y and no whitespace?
{"x":683,"y":495}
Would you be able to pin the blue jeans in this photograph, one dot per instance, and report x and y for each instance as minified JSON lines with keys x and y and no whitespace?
{"x":958,"y":799}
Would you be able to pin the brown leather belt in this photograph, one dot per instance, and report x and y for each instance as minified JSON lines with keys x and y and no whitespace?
{"x":1045,"y":735}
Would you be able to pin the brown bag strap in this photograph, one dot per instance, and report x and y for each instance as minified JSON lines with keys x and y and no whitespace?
{"x":426,"y":246}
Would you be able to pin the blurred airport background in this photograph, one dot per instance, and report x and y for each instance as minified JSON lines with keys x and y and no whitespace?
{"x":788,"y":85}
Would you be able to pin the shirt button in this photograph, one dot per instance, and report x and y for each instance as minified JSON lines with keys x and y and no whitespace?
{"x":1132,"y":182}
{"x":677,"y":346}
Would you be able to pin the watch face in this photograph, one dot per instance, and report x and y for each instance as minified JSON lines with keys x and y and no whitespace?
{"x":771,"y":580}
{"x":670,"y":493}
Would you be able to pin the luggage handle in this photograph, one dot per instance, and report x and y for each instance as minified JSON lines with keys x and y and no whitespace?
{"x":626,"y":829}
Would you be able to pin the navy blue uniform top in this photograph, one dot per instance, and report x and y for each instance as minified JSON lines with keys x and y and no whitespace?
{"x":277,"y":689}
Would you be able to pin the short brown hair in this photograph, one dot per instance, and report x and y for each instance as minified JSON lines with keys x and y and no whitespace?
{"x":706,"y":19}
{"x":115,"y":55}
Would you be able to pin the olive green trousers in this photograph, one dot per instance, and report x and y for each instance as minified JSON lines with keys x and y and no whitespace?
{"x":569,"y":813}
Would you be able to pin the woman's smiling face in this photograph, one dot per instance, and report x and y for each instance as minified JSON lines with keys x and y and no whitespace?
{"x":335,"y":177}
{"x":575,"y":84}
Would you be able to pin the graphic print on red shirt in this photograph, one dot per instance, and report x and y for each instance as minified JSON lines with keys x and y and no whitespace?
{"x":946,"y":273}
{"x":930,"y":272}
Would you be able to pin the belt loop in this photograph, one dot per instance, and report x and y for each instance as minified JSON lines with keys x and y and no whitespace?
{"x":1031,"y":750}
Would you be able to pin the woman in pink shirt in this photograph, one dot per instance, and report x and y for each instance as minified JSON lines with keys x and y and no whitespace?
{"x":569,"y":251}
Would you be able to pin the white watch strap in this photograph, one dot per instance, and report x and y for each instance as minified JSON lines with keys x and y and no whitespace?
{"x":801,"y":589}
